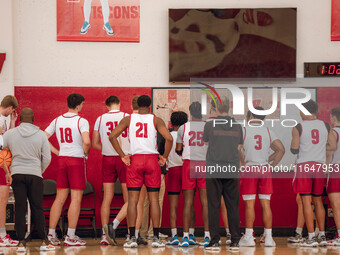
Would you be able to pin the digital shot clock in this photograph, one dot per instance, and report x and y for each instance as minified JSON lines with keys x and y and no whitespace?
{"x":324,"y":69}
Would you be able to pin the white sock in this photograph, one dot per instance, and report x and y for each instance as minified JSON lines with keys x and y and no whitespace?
{"x":338,"y":232}
{"x":87,"y":10}
{"x":71,"y":232}
{"x":115,"y":223}
{"x":186,"y":234}
{"x":136,"y":233}
{"x":268,"y":232}
{"x":173,"y":231}
{"x":191,"y":231}
{"x":299,"y":231}
{"x":51,"y":231}
{"x":311,"y":235}
{"x":206,"y":234}
{"x":227,"y":231}
{"x":128,"y":231}
{"x":3,"y":233}
{"x":103,"y":231}
{"x":105,"y":10}
{"x":249,"y":232}
{"x":317,"y":230}
{"x":321,"y":233}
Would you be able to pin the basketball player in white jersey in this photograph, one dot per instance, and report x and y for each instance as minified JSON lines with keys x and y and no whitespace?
{"x":73,"y":136}
{"x":87,"y":14}
{"x":174,"y":183}
{"x":190,"y":145}
{"x":255,"y":155}
{"x":7,"y":110}
{"x":333,"y":187}
{"x":310,"y":140}
{"x":143,"y":164}
{"x":112,"y":165}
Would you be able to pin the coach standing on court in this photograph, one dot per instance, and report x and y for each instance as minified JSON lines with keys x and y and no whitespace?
{"x":30,"y":157}
{"x":223,"y":140}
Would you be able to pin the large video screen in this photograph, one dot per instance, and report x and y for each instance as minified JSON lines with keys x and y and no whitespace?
{"x":232,"y":43}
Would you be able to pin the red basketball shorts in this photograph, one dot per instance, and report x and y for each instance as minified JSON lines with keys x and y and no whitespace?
{"x":191,"y":179}
{"x":174,"y":184}
{"x":259,"y":183}
{"x":333,"y":185}
{"x":112,"y":168}
{"x":71,"y":173}
{"x":308,"y":181}
{"x":144,"y":169}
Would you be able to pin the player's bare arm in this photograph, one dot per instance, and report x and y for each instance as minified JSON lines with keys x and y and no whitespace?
{"x":295,"y":144}
{"x":86,"y":142}
{"x":161,"y":128}
{"x":54,"y":150}
{"x":240,"y":155}
{"x":96,"y":144}
{"x":279,"y":151}
{"x":331,"y":141}
{"x":113,"y":137}
{"x":8,"y":174}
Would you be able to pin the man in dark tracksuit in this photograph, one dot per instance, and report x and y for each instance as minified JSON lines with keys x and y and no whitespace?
{"x":223,"y":137}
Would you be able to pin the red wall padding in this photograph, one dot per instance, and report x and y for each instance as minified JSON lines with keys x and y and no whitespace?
{"x":49,"y":102}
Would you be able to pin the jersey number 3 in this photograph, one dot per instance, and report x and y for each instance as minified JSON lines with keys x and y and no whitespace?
{"x":142,"y":130}
{"x":66,"y":135}
{"x":258,"y":145}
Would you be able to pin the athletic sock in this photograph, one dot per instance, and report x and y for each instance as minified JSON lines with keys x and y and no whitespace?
{"x":268,"y":232}
{"x":186,"y":234}
{"x":207,"y":234}
{"x":249,"y":232}
{"x":317,"y":230}
{"x":3,"y":233}
{"x":173,"y":232}
{"x":338,"y":232}
{"x":321,"y":233}
{"x":71,"y":232}
{"x":191,"y":231}
{"x":311,"y":235}
{"x":51,"y":231}
{"x":132,"y":231}
{"x":299,"y":231}
{"x":105,"y":10}
{"x":137,"y":233}
{"x":115,"y":223}
{"x":103,"y":231}
{"x":227,"y":231}
{"x":156,"y":232}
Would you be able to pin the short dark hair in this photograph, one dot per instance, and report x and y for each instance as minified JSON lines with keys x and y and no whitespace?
{"x":196,"y":110}
{"x":178,"y":118}
{"x":336,"y":112}
{"x":144,"y":101}
{"x":259,"y":117}
{"x":74,"y":99}
{"x":112,"y":100}
{"x":311,"y":106}
{"x":9,"y":101}
{"x":134,"y":103}
{"x":224,"y":107}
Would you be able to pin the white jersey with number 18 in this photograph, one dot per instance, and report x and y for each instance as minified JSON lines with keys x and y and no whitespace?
{"x":142,"y":134}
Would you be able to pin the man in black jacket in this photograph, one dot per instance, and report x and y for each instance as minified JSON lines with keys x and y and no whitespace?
{"x":223,"y":137}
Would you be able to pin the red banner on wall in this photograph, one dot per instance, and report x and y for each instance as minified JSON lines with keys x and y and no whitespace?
{"x":98,"y":20}
{"x":335,"y":26}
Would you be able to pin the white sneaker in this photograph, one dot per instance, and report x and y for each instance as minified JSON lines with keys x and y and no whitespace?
{"x":310,"y":242}
{"x":46,"y":247}
{"x":75,"y":241}
{"x":334,"y":242}
{"x":8,"y":242}
{"x":53,"y":240}
{"x":132,"y":243}
{"x":269,"y":241}
{"x":247,"y":241}
{"x":21,"y":248}
{"x":157,"y":243}
{"x":104,"y":241}
{"x":163,"y":236}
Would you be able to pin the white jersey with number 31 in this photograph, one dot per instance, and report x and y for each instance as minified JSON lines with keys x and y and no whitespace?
{"x":142,"y":134}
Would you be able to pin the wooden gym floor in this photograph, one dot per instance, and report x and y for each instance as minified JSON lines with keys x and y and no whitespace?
{"x":94,"y":248}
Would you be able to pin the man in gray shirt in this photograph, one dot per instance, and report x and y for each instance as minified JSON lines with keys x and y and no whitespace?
{"x":30,"y":157}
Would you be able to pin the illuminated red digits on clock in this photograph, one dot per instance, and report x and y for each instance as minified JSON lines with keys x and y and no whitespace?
{"x":66,"y":135}
{"x":315,"y":136}
{"x":258,"y":145}
{"x":142,"y":130}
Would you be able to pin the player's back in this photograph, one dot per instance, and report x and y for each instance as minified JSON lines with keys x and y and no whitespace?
{"x":313,"y":141}
{"x":105,"y":124}
{"x":173,"y":158}
{"x":256,"y":145}
{"x":336,"y":154}
{"x":142,"y":134}
{"x":193,"y":145}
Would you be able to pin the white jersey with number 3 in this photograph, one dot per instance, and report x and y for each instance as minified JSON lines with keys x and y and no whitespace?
{"x":336,"y":154}
{"x":104,"y":125}
{"x":313,"y":141}
{"x":193,"y":145}
{"x":68,"y":128}
{"x":256,"y":145}
{"x":142,"y":134}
